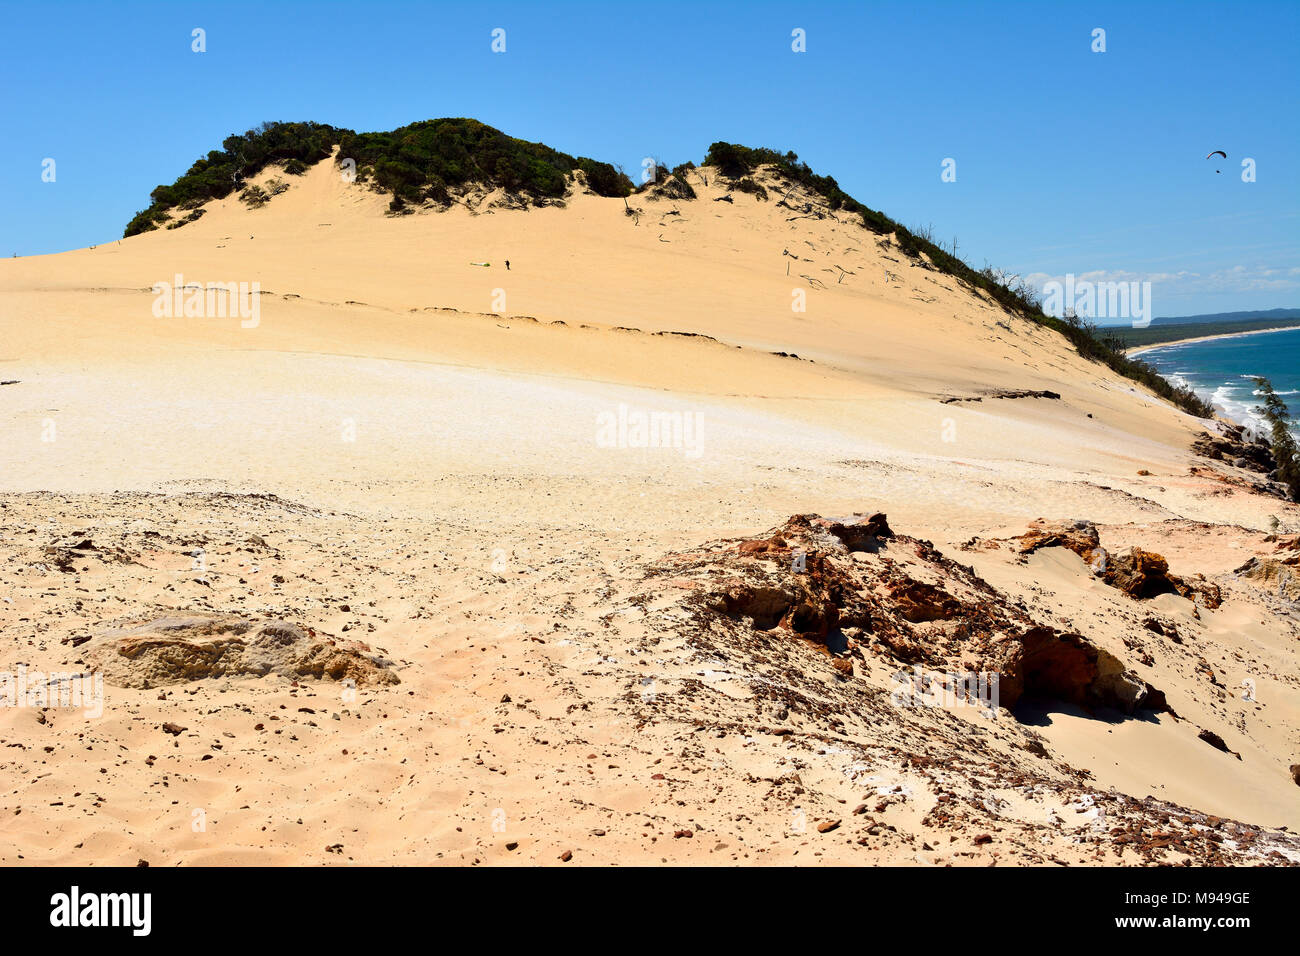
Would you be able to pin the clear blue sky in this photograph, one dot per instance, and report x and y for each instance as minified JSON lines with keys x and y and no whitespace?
{"x":1068,"y":161}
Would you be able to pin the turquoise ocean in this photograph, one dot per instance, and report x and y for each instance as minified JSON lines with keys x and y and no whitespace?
{"x":1220,"y":371}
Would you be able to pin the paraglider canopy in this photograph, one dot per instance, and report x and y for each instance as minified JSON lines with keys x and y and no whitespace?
{"x":1217,"y":152}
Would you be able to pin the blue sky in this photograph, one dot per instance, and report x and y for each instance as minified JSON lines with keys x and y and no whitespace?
{"x":1067,"y":161}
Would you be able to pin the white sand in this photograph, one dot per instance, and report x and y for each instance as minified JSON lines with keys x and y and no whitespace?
{"x":441,"y":446}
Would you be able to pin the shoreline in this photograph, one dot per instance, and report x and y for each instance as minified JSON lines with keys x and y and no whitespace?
{"x":1138,"y":350}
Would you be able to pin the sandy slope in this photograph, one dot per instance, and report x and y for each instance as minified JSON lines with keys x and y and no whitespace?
{"x":436,"y":457}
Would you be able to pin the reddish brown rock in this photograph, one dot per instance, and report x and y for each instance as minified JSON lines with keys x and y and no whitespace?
{"x":903,"y":599}
{"x":1140,"y":574}
{"x":919,"y":602}
{"x":1078,"y":536}
{"x":1043,"y":662}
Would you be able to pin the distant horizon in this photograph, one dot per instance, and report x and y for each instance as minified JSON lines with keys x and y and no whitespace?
{"x":1239,"y":316}
{"x":1042,"y":147}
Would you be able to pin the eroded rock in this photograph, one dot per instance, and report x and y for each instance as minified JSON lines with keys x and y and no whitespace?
{"x":1278,"y":573}
{"x":1139,"y":573}
{"x":1237,"y":448}
{"x":845,"y":586}
{"x":182,"y":648}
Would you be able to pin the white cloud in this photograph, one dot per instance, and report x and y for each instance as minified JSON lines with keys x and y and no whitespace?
{"x":1238,"y":278}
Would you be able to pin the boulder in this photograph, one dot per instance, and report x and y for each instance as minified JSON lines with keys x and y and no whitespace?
{"x":183,"y":648}
{"x":1140,"y":574}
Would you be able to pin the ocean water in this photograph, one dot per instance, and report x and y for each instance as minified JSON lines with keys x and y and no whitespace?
{"x":1219,"y":370}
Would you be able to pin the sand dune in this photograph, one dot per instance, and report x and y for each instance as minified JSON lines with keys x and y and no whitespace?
{"x":426,"y":455}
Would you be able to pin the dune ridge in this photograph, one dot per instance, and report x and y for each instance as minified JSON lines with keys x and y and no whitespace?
{"x":406,"y":450}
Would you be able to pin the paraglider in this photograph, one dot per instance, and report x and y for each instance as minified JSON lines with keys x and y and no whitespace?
{"x":1217,"y":152}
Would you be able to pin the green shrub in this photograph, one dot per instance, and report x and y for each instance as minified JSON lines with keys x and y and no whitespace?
{"x":241,"y":157}
{"x":145,"y":221}
{"x":748,"y":185}
{"x":731,"y":160}
{"x":668,"y":183}
{"x":436,"y":190}
{"x":1278,"y":418}
{"x":676,"y":187}
{"x":419,"y":162}
{"x":254,"y":196}
{"x":450,"y":154}
{"x":190,"y":218}
{"x":603,"y":179}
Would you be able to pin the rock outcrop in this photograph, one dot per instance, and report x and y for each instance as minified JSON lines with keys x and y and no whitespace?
{"x":1237,"y":448}
{"x":1278,"y":573}
{"x":852,"y":587}
{"x":1078,"y":536}
{"x":174,"y":650}
{"x":1139,"y":573}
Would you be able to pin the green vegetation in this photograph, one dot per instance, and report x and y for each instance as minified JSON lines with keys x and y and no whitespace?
{"x":1285,"y":453}
{"x":604,"y":179}
{"x":748,"y":185}
{"x":1012,"y":293}
{"x":676,"y":187}
{"x":242,"y":156}
{"x":1156,"y":333}
{"x":146,"y":220}
{"x":190,"y":218}
{"x":422,"y":161}
{"x":427,"y":160}
{"x":669,"y":184}
{"x":256,"y":196}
